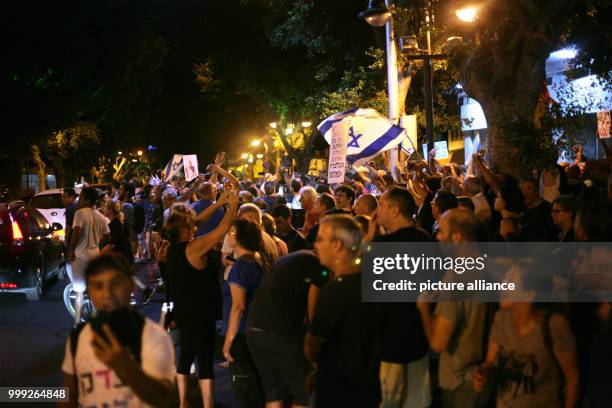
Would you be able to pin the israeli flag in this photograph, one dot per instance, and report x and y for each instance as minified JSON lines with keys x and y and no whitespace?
{"x":370,"y":134}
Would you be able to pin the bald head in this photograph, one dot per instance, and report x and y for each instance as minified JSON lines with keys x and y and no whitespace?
{"x":207,"y":191}
{"x":366,"y":204}
{"x":460,"y":225}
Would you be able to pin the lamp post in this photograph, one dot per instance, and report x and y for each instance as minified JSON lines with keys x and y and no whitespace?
{"x":377,"y":15}
{"x":427,"y":57}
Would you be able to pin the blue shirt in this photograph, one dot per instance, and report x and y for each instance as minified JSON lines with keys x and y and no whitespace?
{"x":214,"y":219}
{"x":247,"y":274}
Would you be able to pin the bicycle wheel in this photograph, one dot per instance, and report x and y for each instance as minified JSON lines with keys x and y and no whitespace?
{"x":87,"y":308}
{"x":69,"y":299}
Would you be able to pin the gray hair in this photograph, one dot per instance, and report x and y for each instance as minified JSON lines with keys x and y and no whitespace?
{"x":346,"y":229}
{"x":249,"y":207}
{"x":309,"y":190}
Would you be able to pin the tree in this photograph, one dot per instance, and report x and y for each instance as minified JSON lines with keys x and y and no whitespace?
{"x":107,"y":78}
{"x":505,"y":71}
{"x":348,"y":69}
{"x":63,"y":149}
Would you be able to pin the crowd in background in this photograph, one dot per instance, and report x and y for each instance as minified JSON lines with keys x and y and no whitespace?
{"x":272,"y":266}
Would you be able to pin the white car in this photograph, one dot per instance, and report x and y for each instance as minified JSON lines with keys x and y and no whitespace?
{"x":49,"y":203}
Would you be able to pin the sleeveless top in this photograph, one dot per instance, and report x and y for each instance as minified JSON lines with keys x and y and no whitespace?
{"x":196,"y":292}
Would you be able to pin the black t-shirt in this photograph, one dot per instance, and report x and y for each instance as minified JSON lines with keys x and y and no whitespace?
{"x":281,"y":301}
{"x":120,"y":238}
{"x":350,"y":356}
{"x":403,"y":337}
{"x":295,"y":240}
{"x":408,"y":234}
{"x":600,"y":375}
{"x":536,"y":225}
{"x":196,"y":292}
{"x":424,"y":215}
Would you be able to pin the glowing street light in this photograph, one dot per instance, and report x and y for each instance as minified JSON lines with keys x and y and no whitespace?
{"x":273,"y":125}
{"x":119,"y":153}
{"x":467,"y":14}
{"x":139,"y":153}
{"x":244,"y":156}
{"x":255,"y":142}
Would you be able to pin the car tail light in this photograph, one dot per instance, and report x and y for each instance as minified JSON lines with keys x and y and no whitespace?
{"x":17,"y":234}
{"x":8,"y":286}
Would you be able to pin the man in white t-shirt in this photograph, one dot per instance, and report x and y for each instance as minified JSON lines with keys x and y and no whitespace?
{"x":102,"y":373}
{"x":89,"y":230}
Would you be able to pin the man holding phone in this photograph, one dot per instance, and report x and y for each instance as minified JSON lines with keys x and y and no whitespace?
{"x":120,"y":358}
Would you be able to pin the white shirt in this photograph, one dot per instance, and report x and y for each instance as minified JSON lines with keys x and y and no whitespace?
{"x":93,"y":227}
{"x":99,"y":386}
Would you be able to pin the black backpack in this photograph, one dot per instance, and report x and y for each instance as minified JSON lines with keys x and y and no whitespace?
{"x":139,"y":216}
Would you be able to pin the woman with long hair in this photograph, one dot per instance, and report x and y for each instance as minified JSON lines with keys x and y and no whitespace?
{"x":195,"y":290}
{"x":238,"y":293}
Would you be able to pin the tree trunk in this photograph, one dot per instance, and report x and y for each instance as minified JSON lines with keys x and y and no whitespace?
{"x":506,"y":77}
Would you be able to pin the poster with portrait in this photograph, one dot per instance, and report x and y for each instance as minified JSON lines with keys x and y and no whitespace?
{"x":190,"y":166}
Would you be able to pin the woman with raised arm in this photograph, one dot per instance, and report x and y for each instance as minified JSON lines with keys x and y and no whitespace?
{"x":196,"y":291}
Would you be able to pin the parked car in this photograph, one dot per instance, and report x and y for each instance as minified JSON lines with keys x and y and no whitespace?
{"x":31,"y":251}
{"x":49,"y":203}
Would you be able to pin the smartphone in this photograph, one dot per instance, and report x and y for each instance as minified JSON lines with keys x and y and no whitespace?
{"x":97,"y":321}
{"x":120,"y":323}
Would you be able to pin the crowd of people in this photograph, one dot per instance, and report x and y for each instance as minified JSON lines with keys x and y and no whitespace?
{"x":277,"y":277}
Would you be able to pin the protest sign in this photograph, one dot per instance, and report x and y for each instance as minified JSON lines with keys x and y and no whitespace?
{"x":337,"y":151}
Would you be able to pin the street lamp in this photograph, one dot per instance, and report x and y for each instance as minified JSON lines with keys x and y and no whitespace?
{"x":467,"y":13}
{"x":244,"y":156}
{"x":377,"y":15}
{"x":427,"y":57}
{"x":255,"y":142}
{"x":119,"y":153}
{"x":139,"y":153}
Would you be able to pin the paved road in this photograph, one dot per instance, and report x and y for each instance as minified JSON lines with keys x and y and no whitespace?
{"x":33,"y":336}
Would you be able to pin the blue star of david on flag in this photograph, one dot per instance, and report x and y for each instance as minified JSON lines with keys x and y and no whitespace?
{"x":370,"y":133}
{"x":354,"y":138}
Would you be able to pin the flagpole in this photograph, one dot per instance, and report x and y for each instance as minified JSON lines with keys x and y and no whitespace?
{"x":392,"y":82}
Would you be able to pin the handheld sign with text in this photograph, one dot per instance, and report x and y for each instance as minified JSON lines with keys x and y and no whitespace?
{"x":337,"y":151}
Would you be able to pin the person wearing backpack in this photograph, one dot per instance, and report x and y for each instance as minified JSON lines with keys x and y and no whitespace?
{"x":455,"y":327}
{"x":531,"y":356}
{"x":124,"y":359}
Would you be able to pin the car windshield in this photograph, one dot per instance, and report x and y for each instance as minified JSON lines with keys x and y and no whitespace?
{"x":46,"y":201}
